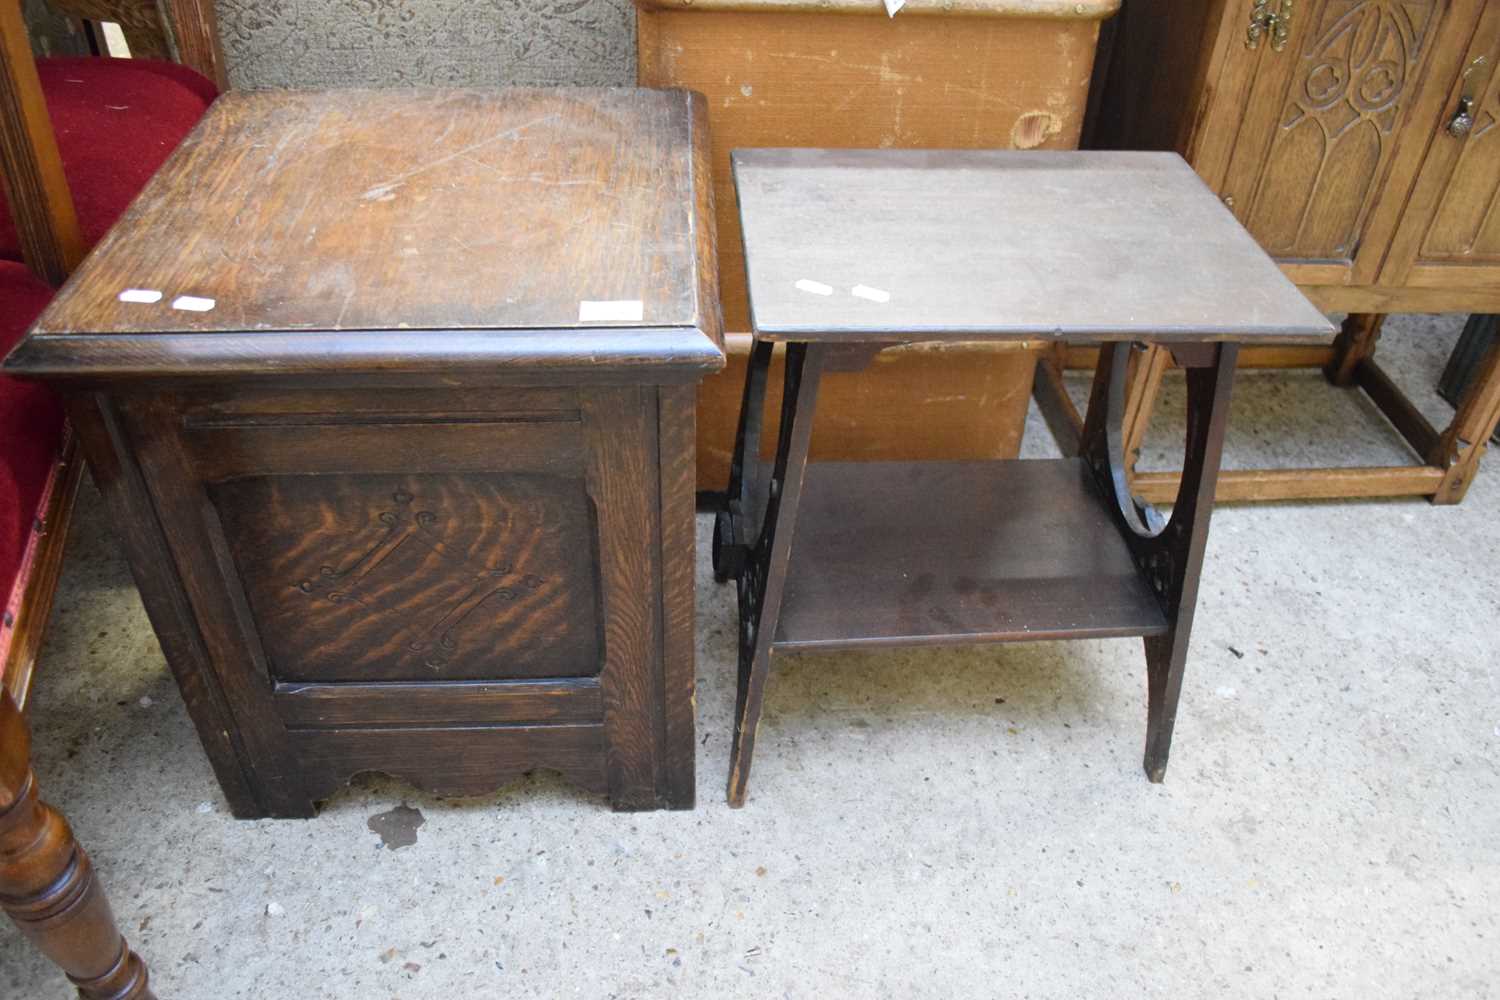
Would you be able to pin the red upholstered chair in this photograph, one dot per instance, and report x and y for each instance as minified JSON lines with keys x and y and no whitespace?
{"x":117,"y":120}
{"x":90,"y":133}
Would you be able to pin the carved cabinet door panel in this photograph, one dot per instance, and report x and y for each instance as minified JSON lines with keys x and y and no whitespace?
{"x":1317,"y":143}
{"x":1450,"y":234}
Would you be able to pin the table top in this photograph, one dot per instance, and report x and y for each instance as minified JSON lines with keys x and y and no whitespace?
{"x":851,"y":245}
{"x":383,"y":227}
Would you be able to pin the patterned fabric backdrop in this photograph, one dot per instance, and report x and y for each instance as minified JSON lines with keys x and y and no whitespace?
{"x":316,"y":43}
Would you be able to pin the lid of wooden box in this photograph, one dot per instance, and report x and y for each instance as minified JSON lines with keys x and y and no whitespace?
{"x":1073,"y":10}
{"x":395,"y":231}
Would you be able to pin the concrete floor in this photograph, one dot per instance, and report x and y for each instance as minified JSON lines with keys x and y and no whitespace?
{"x":955,"y":823}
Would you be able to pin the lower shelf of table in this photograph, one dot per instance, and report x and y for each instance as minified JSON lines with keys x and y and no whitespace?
{"x":914,"y":553}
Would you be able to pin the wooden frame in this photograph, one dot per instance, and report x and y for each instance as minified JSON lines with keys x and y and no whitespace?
{"x":184,"y":31}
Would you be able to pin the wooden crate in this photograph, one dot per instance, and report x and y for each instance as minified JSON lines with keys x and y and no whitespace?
{"x":1009,"y":74}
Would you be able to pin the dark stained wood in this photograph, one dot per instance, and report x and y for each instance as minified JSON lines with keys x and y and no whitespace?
{"x":920,"y":553}
{"x":422,"y":529}
{"x":1009,"y":230}
{"x":676,"y":430}
{"x":475,"y":759}
{"x":1170,"y":561}
{"x":379,"y":577}
{"x":392,"y":205}
{"x":47,"y":882}
{"x":30,"y":166}
{"x":761,"y":582}
{"x":138,"y":525}
{"x":536,"y":448}
{"x":623,"y":480}
{"x":410,"y":703}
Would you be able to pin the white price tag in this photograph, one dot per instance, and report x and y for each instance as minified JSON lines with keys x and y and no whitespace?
{"x":617,"y":311}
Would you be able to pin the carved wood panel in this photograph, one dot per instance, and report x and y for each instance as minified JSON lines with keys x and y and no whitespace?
{"x":1466,"y":227}
{"x":1322,"y":123}
{"x":360,"y":577}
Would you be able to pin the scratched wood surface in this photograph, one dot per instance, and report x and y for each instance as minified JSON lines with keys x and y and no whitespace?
{"x":381,"y":210}
{"x":959,"y":244}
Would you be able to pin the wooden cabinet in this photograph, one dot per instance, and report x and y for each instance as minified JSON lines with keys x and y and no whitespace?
{"x":391,"y":394}
{"x":1449,"y":237}
{"x":1356,"y":140}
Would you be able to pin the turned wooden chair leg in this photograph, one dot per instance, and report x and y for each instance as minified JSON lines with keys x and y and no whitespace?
{"x":47,"y":883}
{"x":1355,"y":343}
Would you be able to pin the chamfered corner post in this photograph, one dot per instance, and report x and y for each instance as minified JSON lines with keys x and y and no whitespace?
{"x":763,"y":579}
{"x":47,"y":882}
{"x":1183,"y":544}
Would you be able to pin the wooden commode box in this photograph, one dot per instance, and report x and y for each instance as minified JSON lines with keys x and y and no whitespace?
{"x":391,"y":397}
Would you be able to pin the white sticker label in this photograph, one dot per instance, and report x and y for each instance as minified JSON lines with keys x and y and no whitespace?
{"x":616,"y":311}
{"x":873,"y":294}
{"x":816,"y":287}
{"x":146,"y":295}
{"x":891,"y":6}
{"x":192,"y":303}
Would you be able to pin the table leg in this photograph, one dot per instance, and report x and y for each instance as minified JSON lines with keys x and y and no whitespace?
{"x":763,"y":577}
{"x":1355,"y":343}
{"x":1169,"y":554}
{"x":47,"y":883}
{"x":1459,"y":448}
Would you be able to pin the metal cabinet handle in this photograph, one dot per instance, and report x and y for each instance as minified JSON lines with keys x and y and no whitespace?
{"x":1269,"y":17}
{"x":1462,"y":122}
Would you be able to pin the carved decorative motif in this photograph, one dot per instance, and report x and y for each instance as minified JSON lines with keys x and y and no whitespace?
{"x":1357,"y":64}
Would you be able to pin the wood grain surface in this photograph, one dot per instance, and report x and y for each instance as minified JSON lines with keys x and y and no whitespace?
{"x":960,"y":244}
{"x":408,"y":532}
{"x":893,"y":553}
{"x":416,"y":577}
{"x":402,"y":212}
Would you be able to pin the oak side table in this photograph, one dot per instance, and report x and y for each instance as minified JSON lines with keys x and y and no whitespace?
{"x":852,"y":251}
{"x":391,"y":397}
